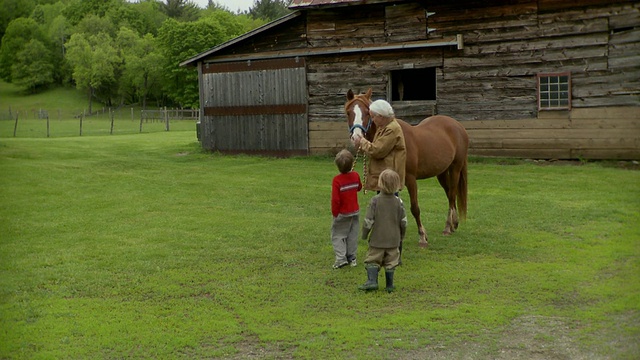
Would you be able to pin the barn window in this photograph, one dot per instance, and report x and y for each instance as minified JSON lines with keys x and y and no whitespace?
{"x":554,"y":91}
{"x":413,"y":84}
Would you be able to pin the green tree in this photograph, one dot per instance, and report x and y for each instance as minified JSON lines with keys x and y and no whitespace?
{"x":180,"y":41}
{"x":95,"y":62}
{"x":181,"y":10}
{"x":144,"y":17}
{"x":142,"y":71}
{"x":13,"y":9}
{"x":19,"y":33}
{"x":269,"y":9}
{"x":94,"y":25}
{"x":33,"y":69}
{"x":59,"y":32}
{"x":76,"y":10}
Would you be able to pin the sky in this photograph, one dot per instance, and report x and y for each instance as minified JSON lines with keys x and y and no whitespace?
{"x":232,"y":5}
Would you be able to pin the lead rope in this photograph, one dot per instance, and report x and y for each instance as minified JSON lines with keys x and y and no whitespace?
{"x":364,"y":168}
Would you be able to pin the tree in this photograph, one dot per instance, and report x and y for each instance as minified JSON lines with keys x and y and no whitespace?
{"x":94,"y":25}
{"x":144,"y":17}
{"x":19,"y":33}
{"x":269,"y":9}
{"x":76,"y":10}
{"x":59,"y":32}
{"x":94,"y":61}
{"x":13,"y":9}
{"x":142,"y":71}
{"x":180,"y":41}
{"x":181,"y":10}
{"x":33,"y":69}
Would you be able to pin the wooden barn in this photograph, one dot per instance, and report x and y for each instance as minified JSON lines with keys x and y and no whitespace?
{"x":527,"y":78}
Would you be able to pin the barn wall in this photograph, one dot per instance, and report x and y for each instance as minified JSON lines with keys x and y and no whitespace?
{"x":489,"y":85}
{"x":257,"y":107}
{"x":595,"y":133}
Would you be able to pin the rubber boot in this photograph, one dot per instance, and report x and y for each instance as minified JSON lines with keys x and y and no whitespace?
{"x":388,"y":274}
{"x":372,"y":278}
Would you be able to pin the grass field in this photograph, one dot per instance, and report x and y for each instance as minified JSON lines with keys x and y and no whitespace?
{"x":143,"y":246}
{"x":56,"y":113}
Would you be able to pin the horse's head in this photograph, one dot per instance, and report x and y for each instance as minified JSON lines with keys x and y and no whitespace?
{"x":358,"y":118}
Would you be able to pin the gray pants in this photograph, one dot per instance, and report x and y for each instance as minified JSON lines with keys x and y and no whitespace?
{"x":344,"y":236}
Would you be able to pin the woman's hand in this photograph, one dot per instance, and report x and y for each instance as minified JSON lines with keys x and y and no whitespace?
{"x":356,"y":141}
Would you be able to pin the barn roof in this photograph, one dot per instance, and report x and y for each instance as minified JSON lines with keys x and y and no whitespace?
{"x":297,"y":6}
{"x":286,"y":18}
{"x":303,"y":4}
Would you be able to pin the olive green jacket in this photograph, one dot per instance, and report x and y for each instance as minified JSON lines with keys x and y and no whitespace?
{"x":385,"y":221}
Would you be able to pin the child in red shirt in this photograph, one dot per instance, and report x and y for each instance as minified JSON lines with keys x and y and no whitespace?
{"x":345,"y":210}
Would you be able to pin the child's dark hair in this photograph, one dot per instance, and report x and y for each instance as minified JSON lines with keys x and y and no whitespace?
{"x":344,"y":161}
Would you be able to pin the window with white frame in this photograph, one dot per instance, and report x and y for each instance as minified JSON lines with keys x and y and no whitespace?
{"x":554,"y":91}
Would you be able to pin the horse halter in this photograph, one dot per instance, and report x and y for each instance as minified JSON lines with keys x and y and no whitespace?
{"x":358,"y":126}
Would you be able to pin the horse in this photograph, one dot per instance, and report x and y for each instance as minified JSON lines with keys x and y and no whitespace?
{"x":437,"y":146}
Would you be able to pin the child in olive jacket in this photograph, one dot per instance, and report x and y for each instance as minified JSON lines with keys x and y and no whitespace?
{"x":385,"y":225}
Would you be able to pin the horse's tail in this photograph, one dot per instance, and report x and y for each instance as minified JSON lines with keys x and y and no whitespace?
{"x":462,"y":190}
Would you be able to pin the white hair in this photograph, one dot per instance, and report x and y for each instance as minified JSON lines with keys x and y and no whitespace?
{"x":382,"y":108}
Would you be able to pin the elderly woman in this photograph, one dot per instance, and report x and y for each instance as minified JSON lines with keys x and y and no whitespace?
{"x":387,"y":150}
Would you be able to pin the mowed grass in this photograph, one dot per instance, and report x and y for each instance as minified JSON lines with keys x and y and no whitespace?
{"x":144,"y":246}
{"x":99,"y":125}
{"x":63,"y":107}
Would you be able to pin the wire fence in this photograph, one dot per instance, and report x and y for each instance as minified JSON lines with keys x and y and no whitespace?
{"x":45,"y":123}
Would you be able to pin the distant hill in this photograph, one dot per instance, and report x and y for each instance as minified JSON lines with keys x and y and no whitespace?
{"x":64,"y":101}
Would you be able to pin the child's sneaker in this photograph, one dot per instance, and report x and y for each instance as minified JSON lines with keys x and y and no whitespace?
{"x":338,"y":265}
{"x":353,"y":263}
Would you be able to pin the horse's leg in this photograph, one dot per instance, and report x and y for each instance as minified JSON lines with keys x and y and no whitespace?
{"x":412,"y":186}
{"x":448,"y":181}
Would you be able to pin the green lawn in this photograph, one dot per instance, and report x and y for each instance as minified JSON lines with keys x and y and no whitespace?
{"x":57,"y":113}
{"x":144,"y":246}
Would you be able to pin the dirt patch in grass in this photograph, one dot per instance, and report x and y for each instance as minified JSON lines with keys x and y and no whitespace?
{"x":526,"y":338}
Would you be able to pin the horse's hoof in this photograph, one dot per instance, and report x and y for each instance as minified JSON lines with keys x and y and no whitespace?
{"x":446,"y":232}
{"x":423,"y":244}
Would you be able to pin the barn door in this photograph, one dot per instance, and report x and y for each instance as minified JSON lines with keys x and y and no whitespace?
{"x":255,"y":107}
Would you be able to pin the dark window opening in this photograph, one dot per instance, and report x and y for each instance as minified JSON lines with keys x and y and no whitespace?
{"x":413,"y":84}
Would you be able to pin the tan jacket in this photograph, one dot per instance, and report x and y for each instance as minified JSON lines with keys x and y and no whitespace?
{"x":387,"y":151}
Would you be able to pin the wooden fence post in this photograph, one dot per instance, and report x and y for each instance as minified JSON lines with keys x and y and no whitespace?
{"x":15,"y":126}
{"x":81,"y":118}
{"x":141,"y":115}
{"x":111,"y":130}
{"x":47,"y":125}
{"x":166,"y":119}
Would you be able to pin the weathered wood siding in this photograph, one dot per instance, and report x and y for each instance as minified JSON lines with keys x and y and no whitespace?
{"x":589,"y":133}
{"x":255,"y":107}
{"x":489,"y":84}
{"x":506,"y":46}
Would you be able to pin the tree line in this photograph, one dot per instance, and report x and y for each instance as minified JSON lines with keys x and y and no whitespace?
{"x":116,"y":51}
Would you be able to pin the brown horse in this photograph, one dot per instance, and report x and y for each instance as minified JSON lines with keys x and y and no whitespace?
{"x":437,"y":146}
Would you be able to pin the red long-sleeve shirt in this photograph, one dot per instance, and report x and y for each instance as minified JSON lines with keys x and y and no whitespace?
{"x":344,"y":193}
